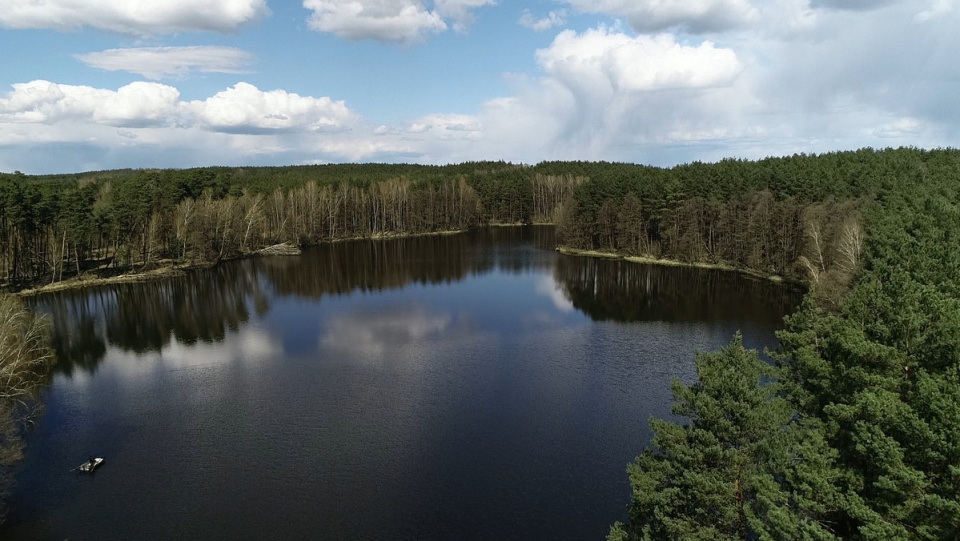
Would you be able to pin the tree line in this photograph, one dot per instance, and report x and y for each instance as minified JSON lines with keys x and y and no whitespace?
{"x":796,"y":216}
{"x":53,"y":230}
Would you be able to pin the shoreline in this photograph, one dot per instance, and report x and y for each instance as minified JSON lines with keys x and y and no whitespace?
{"x":649,"y":260}
{"x":82,"y":281}
{"x":88,"y":279}
{"x":177,"y":270}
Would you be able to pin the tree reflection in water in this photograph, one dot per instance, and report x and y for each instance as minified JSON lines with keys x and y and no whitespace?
{"x":205,"y":305}
{"x":619,"y":290}
{"x":144,"y":317}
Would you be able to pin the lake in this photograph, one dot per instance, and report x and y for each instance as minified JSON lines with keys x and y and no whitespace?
{"x":469,"y":386}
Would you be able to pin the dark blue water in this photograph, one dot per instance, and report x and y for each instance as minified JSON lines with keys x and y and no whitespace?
{"x":475,"y":386}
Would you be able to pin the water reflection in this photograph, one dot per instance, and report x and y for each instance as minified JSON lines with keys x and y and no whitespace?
{"x":625,"y":291}
{"x":144,"y":317}
{"x":370,"y":335}
{"x":377,"y":265}
{"x":205,"y":306}
{"x":548,"y":287}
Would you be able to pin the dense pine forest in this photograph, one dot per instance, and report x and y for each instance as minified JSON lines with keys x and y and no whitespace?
{"x":853,"y":432}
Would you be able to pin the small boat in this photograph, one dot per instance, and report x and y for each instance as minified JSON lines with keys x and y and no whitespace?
{"x":89,"y":466}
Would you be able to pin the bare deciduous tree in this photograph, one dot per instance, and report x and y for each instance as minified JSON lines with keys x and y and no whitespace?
{"x":851,"y":244}
{"x":25,"y":361}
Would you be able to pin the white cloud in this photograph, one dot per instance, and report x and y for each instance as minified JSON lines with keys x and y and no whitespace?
{"x":812,"y":80}
{"x":460,"y":11}
{"x":461,"y":126}
{"x":657,"y":15}
{"x":385,"y":20}
{"x":418,"y":127}
{"x":554,"y":18}
{"x":636,"y":63}
{"x":247,"y":109}
{"x":138,"y":104}
{"x":160,"y":62}
{"x":605,"y":95}
{"x":137,"y":17}
{"x":135,"y":105}
{"x":241,"y":109}
{"x":402,"y":21}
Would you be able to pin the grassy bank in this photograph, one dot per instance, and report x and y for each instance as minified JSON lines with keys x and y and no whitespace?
{"x":672,"y":263}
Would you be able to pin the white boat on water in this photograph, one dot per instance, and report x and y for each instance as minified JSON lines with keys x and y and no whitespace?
{"x":91,"y":465}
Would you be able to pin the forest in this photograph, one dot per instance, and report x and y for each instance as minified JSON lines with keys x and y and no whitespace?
{"x":796,"y":217}
{"x":852,"y":433}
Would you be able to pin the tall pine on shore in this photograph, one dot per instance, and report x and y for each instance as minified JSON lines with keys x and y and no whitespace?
{"x":741,"y":466}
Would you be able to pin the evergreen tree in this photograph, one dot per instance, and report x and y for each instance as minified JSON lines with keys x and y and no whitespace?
{"x":743,"y":466}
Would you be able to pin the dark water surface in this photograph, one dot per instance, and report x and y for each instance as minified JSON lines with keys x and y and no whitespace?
{"x":474,"y":386}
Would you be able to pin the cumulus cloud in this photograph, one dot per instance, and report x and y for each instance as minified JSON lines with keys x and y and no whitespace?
{"x":637,"y":63}
{"x":138,"y":104}
{"x":692,"y":15}
{"x":148,"y":124}
{"x":247,"y":109}
{"x":554,"y":18}
{"x":160,"y":62}
{"x":241,"y":109}
{"x":401,"y":21}
{"x":813,"y":80}
{"x":137,"y":17}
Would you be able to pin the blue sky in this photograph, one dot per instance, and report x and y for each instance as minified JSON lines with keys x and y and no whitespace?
{"x":101,"y":84}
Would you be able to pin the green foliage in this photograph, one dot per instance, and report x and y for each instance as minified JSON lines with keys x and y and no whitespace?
{"x":741,"y":466}
{"x":868,"y":445}
{"x":881,"y":374}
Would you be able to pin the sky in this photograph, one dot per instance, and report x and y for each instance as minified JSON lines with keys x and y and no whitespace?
{"x":105,"y":84}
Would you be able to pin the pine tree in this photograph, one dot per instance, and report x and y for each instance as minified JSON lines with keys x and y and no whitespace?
{"x":743,"y":466}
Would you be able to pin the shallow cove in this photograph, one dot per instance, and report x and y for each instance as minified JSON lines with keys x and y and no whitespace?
{"x":473,"y":386}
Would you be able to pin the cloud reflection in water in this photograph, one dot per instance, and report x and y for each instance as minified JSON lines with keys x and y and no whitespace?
{"x":249,"y":345}
{"x":548,"y":287}
{"x":393,"y":335}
